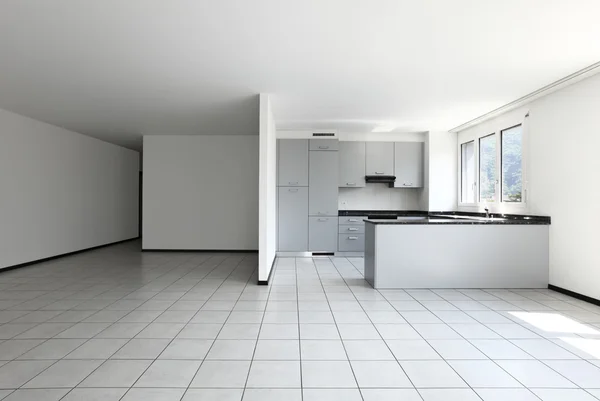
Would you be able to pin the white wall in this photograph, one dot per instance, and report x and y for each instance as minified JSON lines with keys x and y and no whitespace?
{"x":267,"y":243}
{"x":200,"y":192}
{"x":441,"y":159}
{"x":562,"y":138}
{"x":61,"y":191}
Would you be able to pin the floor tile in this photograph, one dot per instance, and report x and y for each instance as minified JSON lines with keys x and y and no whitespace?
{"x":277,"y":350}
{"x":63,"y":373}
{"x":161,"y":330}
{"x":46,"y":394}
{"x":100,"y":348}
{"x":139,"y":348}
{"x":233,"y":331}
{"x":432,"y":374}
{"x":16,"y":373}
{"x":420,"y":317}
{"x":436,"y":332}
{"x":412,"y":350}
{"x":222,"y":374}
{"x":275,"y":331}
{"x":83,"y":330}
{"x":582,"y":373}
{"x":397,"y":332}
{"x":318,"y":332}
{"x":274,"y":374}
{"x":153,"y":394}
{"x":45,"y":330}
{"x":563,"y":394}
{"x":387,"y":394}
{"x":474,"y":331}
{"x":12,"y":349}
{"x":543,"y":349}
{"x":323,"y":350}
{"x":53,"y":349}
{"x":232,"y":349}
{"x":271,"y":394}
{"x":377,"y":374}
{"x":449,"y":394}
{"x":535,"y":374}
{"x":213,"y":395}
{"x":168,"y":373}
{"x":500,"y":349}
{"x":114,"y":373}
{"x":327,"y":374}
{"x":358,"y":332}
{"x":367,"y":350}
{"x":456,"y":349}
{"x":312,"y":394}
{"x":122,"y":330}
{"x":181,"y":348}
{"x":503,"y":394}
{"x":512,"y":331}
{"x":483,"y":374}
{"x":95,"y":394}
{"x":206,"y":331}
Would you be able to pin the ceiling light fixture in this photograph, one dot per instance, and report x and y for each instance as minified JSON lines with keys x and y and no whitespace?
{"x":384,"y":128}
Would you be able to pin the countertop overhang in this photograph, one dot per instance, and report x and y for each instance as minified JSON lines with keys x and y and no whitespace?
{"x":446,"y":217}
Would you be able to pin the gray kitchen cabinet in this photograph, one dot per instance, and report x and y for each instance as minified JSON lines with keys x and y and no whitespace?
{"x":351,"y":243}
{"x":380,"y":158}
{"x":408,"y":164}
{"x":324,"y":144}
{"x":292,"y":164}
{"x":292,"y":219}
{"x":352,"y":164}
{"x":322,"y":234}
{"x":323,"y":189}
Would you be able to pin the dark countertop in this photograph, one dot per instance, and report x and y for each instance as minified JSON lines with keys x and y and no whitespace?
{"x":443,"y":217}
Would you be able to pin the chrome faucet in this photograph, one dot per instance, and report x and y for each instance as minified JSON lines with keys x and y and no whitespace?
{"x":487,"y":213}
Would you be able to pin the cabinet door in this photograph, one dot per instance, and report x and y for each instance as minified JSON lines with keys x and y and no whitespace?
{"x":323,"y":144}
{"x":352,"y":164}
{"x":292,"y":221}
{"x":292,"y":168}
{"x":409,"y":164}
{"x":323,"y":189}
{"x":322,"y":234}
{"x":380,"y":158}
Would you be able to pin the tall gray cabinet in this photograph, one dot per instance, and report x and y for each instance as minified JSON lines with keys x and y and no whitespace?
{"x":307,"y":195}
{"x":322,"y":196}
{"x":292,"y":195}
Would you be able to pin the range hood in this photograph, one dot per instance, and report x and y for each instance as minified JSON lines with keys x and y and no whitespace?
{"x":383,"y":179}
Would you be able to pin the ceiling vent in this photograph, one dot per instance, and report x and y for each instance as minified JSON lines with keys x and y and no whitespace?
{"x":323,"y":134}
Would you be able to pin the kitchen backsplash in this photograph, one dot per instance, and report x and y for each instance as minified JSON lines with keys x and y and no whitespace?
{"x":378,"y":197}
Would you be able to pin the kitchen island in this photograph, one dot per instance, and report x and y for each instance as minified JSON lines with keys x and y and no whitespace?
{"x":457,"y":251}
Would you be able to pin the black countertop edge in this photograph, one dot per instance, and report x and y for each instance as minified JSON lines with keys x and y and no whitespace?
{"x":509,"y":218}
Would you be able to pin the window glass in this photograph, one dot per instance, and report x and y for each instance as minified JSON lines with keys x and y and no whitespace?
{"x":487,"y":168}
{"x":512,"y":164}
{"x":467,"y":152}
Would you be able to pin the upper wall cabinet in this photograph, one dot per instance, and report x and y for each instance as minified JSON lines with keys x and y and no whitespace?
{"x":380,"y":158}
{"x":352,"y":164}
{"x":324,"y":144}
{"x":409,"y":164}
{"x":292,"y":168}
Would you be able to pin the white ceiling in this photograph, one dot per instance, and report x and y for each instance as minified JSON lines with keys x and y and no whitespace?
{"x":117,"y":69}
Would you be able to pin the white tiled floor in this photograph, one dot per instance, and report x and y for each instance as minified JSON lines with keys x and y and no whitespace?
{"x":117,"y":324}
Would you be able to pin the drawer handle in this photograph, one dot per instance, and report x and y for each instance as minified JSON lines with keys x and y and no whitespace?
{"x":323,"y":147}
{"x":353,"y":220}
{"x":293,"y":182}
{"x":353,"y":238}
{"x":321,"y":212}
{"x":408,"y":185}
{"x":352,"y":229}
{"x":379,"y":172}
{"x":293,"y":190}
{"x":351,"y":183}
{"x":323,"y":219}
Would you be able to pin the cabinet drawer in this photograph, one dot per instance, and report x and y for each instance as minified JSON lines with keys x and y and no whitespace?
{"x":351,"y":243}
{"x":323,"y":144}
{"x":351,"y":230}
{"x":353,"y":220}
{"x":322,"y":234}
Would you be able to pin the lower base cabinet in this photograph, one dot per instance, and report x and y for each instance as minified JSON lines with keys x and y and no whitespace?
{"x":292,"y":230}
{"x":322,"y":234}
{"x":351,"y":243}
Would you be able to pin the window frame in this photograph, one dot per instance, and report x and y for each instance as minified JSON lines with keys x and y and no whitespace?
{"x":475,"y":189}
{"x":495,"y":127}
{"x":501,"y":179}
{"x":479,"y":200}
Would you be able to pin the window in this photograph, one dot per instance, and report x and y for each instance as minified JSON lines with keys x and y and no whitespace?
{"x":512,"y":164}
{"x":467,"y":152}
{"x":487,"y":168}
